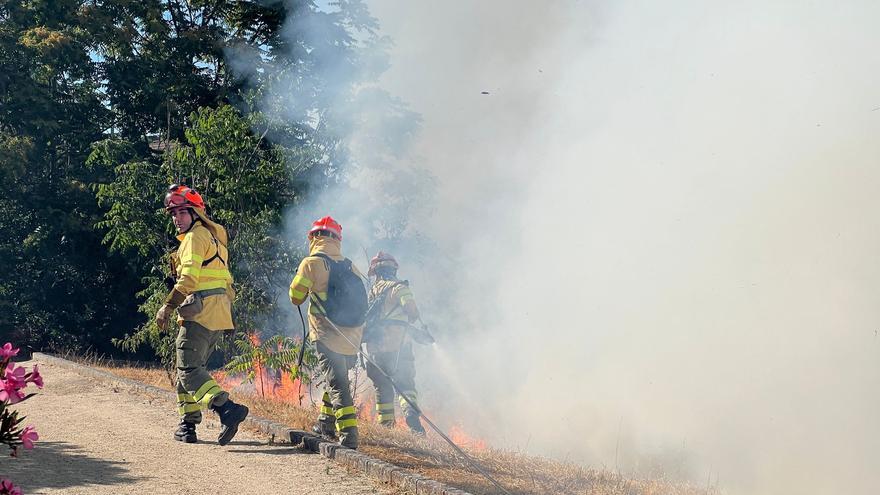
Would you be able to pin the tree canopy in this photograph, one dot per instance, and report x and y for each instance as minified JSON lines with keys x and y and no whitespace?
{"x":106,"y":103}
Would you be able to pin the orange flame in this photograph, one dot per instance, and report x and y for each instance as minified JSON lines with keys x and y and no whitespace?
{"x":367,"y":407}
{"x":278,"y":386}
{"x":268,"y":384}
{"x":462,"y":439}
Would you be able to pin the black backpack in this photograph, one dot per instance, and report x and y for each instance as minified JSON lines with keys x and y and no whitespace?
{"x":346,"y":303}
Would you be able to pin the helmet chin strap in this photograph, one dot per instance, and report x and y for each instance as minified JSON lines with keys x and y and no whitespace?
{"x":192,"y":220}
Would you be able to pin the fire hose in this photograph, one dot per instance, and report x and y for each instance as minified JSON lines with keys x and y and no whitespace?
{"x":409,"y":401}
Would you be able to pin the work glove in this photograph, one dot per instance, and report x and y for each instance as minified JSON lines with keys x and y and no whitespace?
{"x":174,"y":299}
{"x":162,"y":316}
{"x":421,"y":335}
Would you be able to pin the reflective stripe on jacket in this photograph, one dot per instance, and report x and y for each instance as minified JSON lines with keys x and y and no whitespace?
{"x":399,"y":305}
{"x":202,"y":263}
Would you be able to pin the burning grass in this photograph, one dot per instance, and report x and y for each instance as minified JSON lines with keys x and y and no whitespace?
{"x":520,"y":474}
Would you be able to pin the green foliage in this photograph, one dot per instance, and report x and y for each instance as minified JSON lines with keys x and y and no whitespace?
{"x":245,"y":184}
{"x":59,"y":288}
{"x":162,"y":343}
{"x":277,"y":355}
{"x":104,"y":104}
{"x":133,"y":223}
{"x":10,"y":426}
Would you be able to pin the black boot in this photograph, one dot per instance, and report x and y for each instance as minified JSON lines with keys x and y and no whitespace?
{"x":231,"y":415}
{"x":349,"y":437}
{"x":412,"y":420}
{"x":325,"y":428}
{"x":186,"y":432}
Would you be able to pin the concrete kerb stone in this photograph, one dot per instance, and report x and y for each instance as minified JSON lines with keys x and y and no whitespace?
{"x":380,"y":470}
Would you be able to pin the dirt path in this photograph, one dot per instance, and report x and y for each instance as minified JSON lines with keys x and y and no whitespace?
{"x":100,"y":440}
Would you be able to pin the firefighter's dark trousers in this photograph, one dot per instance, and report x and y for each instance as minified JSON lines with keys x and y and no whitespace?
{"x":400,"y":366}
{"x":337,"y":404}
{"x":196,"y":389}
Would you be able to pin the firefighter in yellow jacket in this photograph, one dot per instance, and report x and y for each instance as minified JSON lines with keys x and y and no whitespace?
{"x":202,"y":296}
{"x":390,"y":321}
{"x":336,"y":343}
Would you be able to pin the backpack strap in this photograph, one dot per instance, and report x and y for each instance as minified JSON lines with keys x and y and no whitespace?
{"x":216,"y":254}
{"x":313,"y":296}
{"x":327,"y":259}
{"x":383,"y":296}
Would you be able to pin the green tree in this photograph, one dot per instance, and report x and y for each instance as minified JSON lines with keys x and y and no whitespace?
{"x":246,"y":185}
{"x":58,"y":286}
{"x":105,"y":103}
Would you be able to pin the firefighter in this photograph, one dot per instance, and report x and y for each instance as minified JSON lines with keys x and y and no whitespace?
{"x":336,"y":340}
{"x":388,"y":342}
{"x":202,"y":295}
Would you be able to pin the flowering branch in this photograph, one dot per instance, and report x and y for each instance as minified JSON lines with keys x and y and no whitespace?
{"x":7,"y":488}
{"x":14,"y":379}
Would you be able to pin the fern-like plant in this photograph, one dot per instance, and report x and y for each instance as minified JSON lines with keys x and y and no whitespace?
{"x":260,"y":362}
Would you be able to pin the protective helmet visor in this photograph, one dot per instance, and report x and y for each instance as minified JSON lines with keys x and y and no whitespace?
{"x":175,"y":200}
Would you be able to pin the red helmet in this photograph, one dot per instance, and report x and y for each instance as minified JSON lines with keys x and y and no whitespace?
{"x":382,"y":259}
{"x":328,"y":224}
{"x":180,"y":196}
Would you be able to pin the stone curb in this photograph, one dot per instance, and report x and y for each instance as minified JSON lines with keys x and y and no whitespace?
{"x":380,"y":470}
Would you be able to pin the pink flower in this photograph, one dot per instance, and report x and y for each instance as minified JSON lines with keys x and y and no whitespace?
{"x":16,"y":375}
{"x":7,"y":488}
{"x":36,"y":378}
{"x":29,"y":436}
{"x":7,"y":351}
{"x":9,"y":392}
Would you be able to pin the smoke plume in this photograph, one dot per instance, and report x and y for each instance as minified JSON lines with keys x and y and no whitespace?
{"x":647,"y":231}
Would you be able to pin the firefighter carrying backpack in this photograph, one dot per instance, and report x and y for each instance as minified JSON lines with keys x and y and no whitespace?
{"x":346,"y":303}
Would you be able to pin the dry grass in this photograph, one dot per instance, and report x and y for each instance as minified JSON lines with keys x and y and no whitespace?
{"x":520,"y":474}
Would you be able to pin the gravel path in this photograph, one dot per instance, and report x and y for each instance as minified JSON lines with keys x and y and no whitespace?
{"x":97,"y":439}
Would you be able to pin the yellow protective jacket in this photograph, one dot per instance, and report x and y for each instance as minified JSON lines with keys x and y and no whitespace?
{"x":202,"y":265}
{"x":399,"y":306}
{"x":312,"y":276}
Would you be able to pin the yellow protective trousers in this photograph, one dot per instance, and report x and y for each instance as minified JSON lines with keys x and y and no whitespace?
{"x":400,"y":366}
{"x":196,"y":388}
{"x":337,"y":404}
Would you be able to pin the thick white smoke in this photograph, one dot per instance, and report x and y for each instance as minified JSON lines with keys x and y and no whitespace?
{"x":657,"y":232}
